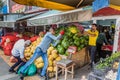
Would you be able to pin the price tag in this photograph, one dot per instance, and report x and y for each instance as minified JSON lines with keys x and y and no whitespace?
{"x":72,"y":49}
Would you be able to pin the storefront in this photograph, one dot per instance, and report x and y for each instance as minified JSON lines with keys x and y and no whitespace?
{"x":105,"y":18}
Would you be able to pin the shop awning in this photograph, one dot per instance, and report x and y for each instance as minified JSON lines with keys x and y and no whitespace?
{"x":7,"y":24}
{"x":107,"y":11}
{"x":29,"y":16}
{"x":48,"y":13}
{"x":77,"y":15}
{"x":63,"y":5}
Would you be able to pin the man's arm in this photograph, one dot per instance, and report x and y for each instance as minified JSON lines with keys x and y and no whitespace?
{"x":55,"y":43}
{"x":54,"y":37}
{"x":89,"y":34}
{"x":22,"y":54}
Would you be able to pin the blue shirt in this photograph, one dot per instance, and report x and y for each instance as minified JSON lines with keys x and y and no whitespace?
{"x":18,"y":48}
{"x":47,"y":40}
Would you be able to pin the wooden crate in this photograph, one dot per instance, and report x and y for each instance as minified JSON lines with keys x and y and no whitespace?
{"x":81,"y":58}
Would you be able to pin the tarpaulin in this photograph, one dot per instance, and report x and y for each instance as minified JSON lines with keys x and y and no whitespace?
{"x":70,"y":16}
{"x":98,"y":4}
{"x":46,"y":4}
{"x":115,"y":7}
{"x":107,"y":11}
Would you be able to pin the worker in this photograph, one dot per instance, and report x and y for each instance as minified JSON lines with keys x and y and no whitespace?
{"x":93,"y":34}
{"x":41,"y":50}
{"x":113,"y":27}
{"x":18,"y":53}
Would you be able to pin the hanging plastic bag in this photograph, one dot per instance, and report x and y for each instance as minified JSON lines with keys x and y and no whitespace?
{"x":32,"y":70}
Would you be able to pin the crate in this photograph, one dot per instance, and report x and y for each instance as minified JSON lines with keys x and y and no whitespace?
{"x":81,"y":58}
{"x":99,"y":72}
{"x":92,"y":76}
{"x":103,"y":71}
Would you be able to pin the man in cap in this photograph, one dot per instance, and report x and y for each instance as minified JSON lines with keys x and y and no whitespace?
{"x":41,"y":50}
{"x":18,"y":53}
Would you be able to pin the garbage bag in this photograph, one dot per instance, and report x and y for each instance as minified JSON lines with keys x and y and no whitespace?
{"x":32,"y":70}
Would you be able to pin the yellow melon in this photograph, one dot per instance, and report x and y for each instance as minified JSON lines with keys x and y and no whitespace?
{"x":50,"y":69}
{"x":58,"y":58}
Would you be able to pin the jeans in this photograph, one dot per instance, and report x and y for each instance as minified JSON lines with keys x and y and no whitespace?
{"x":17,"y":63}
{"x":38,"y":52}
{"x":99,"y":51}
{"x":92,"y":50}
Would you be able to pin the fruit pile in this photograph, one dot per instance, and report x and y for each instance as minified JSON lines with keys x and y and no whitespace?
{"x":53,"y":57}
{"x":52,"y":53}
{"x":30,"y":50}
{"x":72,"y":37}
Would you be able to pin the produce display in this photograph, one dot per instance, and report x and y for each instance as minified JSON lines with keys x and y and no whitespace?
{"x":111,"y":75}
{"x":30,"y":50}
{"x":108,"y":61}
{"x":72,"y":37}
{"x":108,"y":67}
{"x":53,"y":56}
{"x":115,"y":65}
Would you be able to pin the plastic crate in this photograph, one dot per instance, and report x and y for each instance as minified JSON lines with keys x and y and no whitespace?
{"x":99,"y":72}
{"x":92,"y":76}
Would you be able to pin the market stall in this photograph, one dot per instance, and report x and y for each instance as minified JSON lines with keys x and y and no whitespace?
{"x":73,"y":33}
{"x":104,"y":17}
{"x":107,"y":68}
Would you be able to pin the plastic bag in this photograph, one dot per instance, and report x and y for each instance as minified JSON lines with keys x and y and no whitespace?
{"x":32,"y":70}
{"x":25,"y":72}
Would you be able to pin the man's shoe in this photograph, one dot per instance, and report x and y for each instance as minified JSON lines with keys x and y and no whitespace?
{"x":12,"y":71}
{"x":21,"y":77}
{"x":43,"y":78}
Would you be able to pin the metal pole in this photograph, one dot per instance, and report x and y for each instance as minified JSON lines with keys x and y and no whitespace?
{"x":8,"y":6}
{"x":116,"y":36}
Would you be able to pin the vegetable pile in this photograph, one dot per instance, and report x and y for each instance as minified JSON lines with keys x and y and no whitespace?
{"x":72,"y":37}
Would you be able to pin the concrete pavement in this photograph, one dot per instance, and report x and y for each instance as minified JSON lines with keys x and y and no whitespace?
{"x":5,"y":75}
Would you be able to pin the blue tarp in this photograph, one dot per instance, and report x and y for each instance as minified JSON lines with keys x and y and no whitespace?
{"x":98,"y":4}
{"x":118,"y":73}
{"x":4,"y":9}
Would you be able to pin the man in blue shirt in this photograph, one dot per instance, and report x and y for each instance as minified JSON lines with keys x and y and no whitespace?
{"x":41,"y":50}
{"x":18,"y":53}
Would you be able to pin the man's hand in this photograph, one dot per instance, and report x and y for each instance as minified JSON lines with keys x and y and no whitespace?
{"x":23,"y":59}
{"x":62,"y":32}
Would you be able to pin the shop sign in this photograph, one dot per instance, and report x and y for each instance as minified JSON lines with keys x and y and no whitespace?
{"x":18,"y":8}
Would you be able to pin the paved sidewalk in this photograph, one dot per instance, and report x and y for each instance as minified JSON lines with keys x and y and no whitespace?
{"x":5,"y":75}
